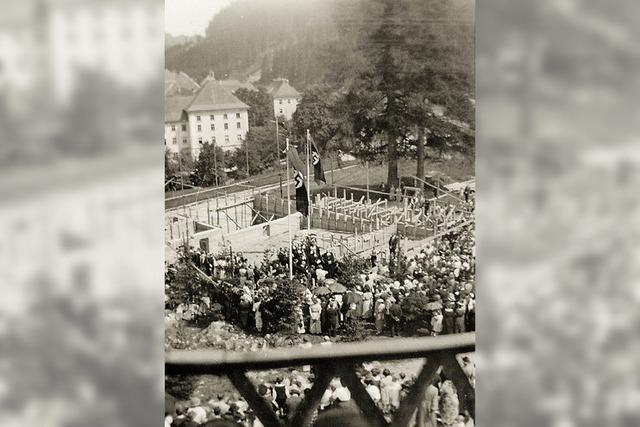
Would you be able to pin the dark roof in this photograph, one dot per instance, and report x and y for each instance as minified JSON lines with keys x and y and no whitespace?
{"x":179,"y":84}
{"x":174,"y":108}
{"x":214,"y":96}
{"x":280,"y":88}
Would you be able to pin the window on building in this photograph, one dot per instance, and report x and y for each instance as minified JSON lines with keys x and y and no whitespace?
{"x":212,"y":117}
{"x":288,"y":101}
{"x":281,"y":112}
{"x":213,"y":127}
{"x":199,"y":128}
{"x":213,"y":140}
{"x":165,"y":141}
{"x":238,"y":125}
{"x":239,"y":137}
{"x":198,"y":118}
{"x":226,"y":138}
{"x":225,"y":116}
{"x":200,"y":140}
{"x":226,"y":126}
{"x":237,"y":115}
{"x":175,"y":141}
{"x":280,"y":101}
{"x":184,"y":140}
{"x":173,"y":128}
{"x":184,"y":128}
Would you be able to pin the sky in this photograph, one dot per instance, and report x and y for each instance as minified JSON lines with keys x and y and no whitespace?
{"x":190,"y":17}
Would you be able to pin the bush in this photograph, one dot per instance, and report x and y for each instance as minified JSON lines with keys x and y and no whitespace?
{"x":414,"y":310}
{"x":180,"y":386}
{"x":353,"y":330}
{"x":186,"y":287}
{"x":279,"y":312}
{"x":350,"y":268}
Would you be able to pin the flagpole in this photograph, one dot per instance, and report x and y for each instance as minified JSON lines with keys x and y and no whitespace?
{"x":279,"y":166}
{"x":289,"y":216}
{"x":308,"y":186}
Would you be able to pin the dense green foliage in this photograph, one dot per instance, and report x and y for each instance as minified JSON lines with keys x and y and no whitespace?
{"x":262,"y":155}
{"x":210,"y":163}
{"x":260,"y":106}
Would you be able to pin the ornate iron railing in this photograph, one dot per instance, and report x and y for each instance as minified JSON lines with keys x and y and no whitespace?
{"x":338,"y":360}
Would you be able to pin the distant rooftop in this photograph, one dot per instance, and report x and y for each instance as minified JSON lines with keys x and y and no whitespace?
{"x":280,"y":88}
{"x":174,"y":108}
{"x":214,"y":96}
{"x":179,"y":83}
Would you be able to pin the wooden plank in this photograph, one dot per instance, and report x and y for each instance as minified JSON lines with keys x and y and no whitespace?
{"x":209,"y":361}
{"x":304,"y":414}
{"x":258,"y":405}
{"x":410,"y":403}
{"x":361,"y":396}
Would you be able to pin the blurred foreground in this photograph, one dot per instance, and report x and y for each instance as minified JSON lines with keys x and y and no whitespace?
{"x":81,"y":113}
{"x":558,"y":223}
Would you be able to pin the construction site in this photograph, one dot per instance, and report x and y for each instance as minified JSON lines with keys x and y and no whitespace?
{"x":344,"y":220}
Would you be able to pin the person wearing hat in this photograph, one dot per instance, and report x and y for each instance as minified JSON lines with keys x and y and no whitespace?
{"x":448,"y":315}
{"x":459,"y":324}
{"x":380,"y":312}
{"x":394,"y":318}
{"x":332,"y":317}
{"x":315,"y":313}
{"x":367,"y":303}
{"x":183,"y":418}
{"x":394,"y":389}
{"x":385,"y":389}
{"x":293,"y":401}
{"x":372,"y":389}
{"x":436,"y":323}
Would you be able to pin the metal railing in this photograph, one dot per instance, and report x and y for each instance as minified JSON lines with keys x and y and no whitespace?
{"x":338,"y":360}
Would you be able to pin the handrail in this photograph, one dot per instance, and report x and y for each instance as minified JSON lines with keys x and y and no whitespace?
{"x":217,"y":361}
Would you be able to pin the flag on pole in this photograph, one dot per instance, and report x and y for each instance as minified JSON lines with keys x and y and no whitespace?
{"x":302,"y":198}
{"x":294,"y":159}
{"x":318,"y":171}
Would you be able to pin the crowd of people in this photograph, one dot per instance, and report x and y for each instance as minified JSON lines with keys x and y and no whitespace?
{"x":440,"y":274}
{"x":378,"y":292}
{"x":284,"y":394}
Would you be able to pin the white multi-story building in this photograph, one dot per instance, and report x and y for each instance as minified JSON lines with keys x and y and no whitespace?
{"x":176,"y":125}
{"x":285,"y":98}
{"x":213,"y":115}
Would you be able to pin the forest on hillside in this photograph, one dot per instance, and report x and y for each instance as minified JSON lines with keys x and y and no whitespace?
{"x":321,"y":41}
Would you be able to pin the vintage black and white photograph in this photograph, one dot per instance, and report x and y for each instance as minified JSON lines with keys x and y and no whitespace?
{"x":319,"y":213}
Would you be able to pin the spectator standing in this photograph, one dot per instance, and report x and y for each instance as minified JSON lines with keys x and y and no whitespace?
{"x":385,"y":389}
{"x":395,"y":316}
{"x":436,"y":322}
{"x":373,"y":390}
{"x":281,"y":393}
{"x":315,"y":312}
{"x":459,"y":325}
{"x":394,"y":390}
{"x":332,"y":316}
{"x":293,"y":401}
{"x":449,"y":315}
{"x":380,"y":314}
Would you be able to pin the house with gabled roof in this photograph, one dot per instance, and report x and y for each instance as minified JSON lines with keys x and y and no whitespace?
{"x":285,"y":98}
{"x":176,"y":124}
{"x":212,"y":115}
{"x":179,"y":84}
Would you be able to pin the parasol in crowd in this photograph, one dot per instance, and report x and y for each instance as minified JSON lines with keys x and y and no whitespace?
{"x":322,"y":290}
{"x":299,"y":287}
{"x":337,"y":288}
